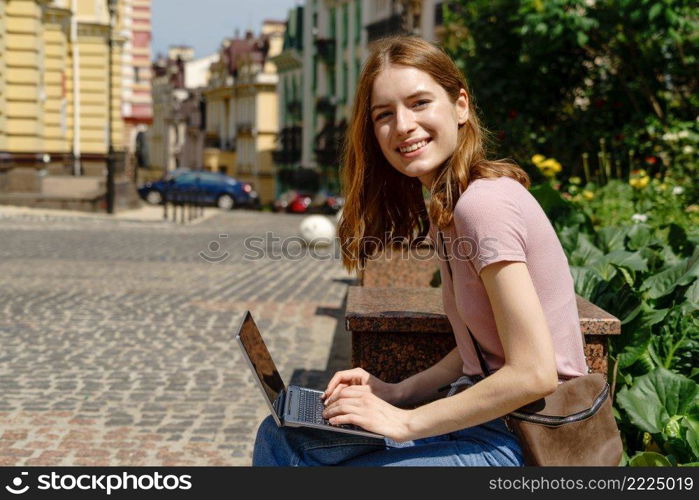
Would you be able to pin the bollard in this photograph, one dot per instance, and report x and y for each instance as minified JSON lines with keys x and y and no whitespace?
{"x":174,"y":206}
{"x":182,"y":208}
{"x":165,"y":200}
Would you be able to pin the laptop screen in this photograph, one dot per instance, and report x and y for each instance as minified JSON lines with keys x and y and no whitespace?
{"x":260,"y":358}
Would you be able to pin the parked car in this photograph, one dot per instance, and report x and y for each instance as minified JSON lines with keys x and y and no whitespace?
{"x":327,"y":202}
{"x":213,"y":188}
{"x":294,"y":202}
{"x":301,"y":202}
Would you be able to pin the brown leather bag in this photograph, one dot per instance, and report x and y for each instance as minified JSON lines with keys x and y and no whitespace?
{"x":572,"y":426}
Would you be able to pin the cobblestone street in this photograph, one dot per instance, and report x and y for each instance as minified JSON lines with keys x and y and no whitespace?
{"x":117,"y":336}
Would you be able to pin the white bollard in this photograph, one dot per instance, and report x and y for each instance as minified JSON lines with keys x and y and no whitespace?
{"x":317,"y":230}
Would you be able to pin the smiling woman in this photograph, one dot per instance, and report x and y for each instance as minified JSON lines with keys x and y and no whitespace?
{"x":414,"y":128}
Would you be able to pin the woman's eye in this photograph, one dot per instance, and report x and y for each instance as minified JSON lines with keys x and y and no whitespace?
{"x":421,"y":103}
{"x":382,"y":115}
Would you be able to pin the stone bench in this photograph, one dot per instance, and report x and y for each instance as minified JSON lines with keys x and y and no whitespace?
{"x":398,"y":325}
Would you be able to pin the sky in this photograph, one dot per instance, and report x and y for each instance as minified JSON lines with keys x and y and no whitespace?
{"x":203,"y":24}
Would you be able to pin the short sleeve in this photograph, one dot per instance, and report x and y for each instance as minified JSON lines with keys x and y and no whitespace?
{"x":489,"y":223}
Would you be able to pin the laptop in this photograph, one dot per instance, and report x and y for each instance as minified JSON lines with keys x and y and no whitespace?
{"x":291,"y":406}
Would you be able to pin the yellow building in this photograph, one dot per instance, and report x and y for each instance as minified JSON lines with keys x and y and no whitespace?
{"x":220,"y":140}
{"x":54,"y":84}
{"x":241,"y":105}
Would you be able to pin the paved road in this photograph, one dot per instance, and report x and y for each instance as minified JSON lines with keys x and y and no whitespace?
{"x":117,"y":336}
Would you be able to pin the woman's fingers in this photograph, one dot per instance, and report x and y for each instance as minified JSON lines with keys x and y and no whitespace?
{"x":346,"y":391}
{"x":347,"y":377}
{"x":352,"y":395}
{"x":335,"y":394}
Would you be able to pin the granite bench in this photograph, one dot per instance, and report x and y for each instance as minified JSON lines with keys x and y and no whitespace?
{"x":398,"y":326}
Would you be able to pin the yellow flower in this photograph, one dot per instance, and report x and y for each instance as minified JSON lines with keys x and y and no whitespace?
{"x":662,"y":187}
{"x":639,"y":182}
{"x":575,"y":180}
{"x":536,"y":159}
{"x":588,"y":195}
{"x":550,"y":164}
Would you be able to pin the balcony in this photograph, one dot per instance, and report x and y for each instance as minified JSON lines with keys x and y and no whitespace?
{"x":244,"y":128}
{"x":216,"y":142}
{"x":212,"y":141}
{"x":290,"y":142}
{"x":229,"y":145}
{"x":326,"y":50}
{"x":294,"y":109}
{"x":326,"y":106}
{"x":385,"y":27}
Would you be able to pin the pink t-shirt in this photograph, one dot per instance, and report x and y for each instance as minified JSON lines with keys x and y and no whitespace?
{"x":499,"y":220}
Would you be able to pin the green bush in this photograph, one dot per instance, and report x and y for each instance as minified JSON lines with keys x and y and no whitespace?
{"x":646,"y":275}
{"x":558,"y":76}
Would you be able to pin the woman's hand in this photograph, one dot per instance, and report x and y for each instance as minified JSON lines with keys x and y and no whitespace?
{"x":360,"y":377}
{"x":358,"y":405}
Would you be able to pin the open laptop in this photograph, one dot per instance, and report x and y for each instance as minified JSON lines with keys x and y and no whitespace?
{"x":291,"y":406}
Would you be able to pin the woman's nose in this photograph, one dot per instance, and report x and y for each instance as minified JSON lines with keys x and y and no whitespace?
{"x":405,"y":121}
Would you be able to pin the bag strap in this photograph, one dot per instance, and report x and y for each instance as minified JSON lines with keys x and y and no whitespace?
{"x":479,"y":353}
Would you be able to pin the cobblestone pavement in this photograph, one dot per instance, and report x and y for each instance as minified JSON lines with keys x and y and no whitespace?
{"x":117,"y":337}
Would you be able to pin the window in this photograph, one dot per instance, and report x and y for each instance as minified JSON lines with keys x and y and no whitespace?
{"x":345,"y":24}
{"x":345,"y":80}
{"x":358,"y":22}
{"x":331,"y":81}
{"x":333,"y":28}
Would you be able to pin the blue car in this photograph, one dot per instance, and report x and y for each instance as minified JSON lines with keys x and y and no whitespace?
{"x":211,"y":188}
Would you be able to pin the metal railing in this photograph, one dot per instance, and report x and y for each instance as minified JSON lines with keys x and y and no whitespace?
{"x":189,"y":203}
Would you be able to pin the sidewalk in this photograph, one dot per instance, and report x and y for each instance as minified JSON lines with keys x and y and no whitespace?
{"x":146,"y":213}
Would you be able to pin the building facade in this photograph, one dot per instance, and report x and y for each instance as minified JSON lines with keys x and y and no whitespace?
{"x":241,"y":109}
{"x":329,"y":40}
{"x":137,"y":106}
{"x":287,"y":156}
{"x":176,"y":136}
{"x":55,"y":87}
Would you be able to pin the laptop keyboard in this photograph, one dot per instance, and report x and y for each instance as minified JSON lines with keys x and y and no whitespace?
{"x":311,"y":408}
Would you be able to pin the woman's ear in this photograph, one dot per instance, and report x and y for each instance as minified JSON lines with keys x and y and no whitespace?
{"x":462,"y":107}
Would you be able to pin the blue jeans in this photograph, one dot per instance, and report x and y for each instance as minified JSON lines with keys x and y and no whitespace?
{"x":488,"y":444}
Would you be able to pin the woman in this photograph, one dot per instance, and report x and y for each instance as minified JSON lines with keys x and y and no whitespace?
{"x":414,"y":127}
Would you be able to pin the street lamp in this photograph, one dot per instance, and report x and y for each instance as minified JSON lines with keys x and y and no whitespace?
{"x":113,"y":5}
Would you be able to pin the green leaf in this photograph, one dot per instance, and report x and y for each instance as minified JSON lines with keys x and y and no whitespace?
{"x":656,"y":397}
{"x":634,"y":345}
{"x":639,"y":236}
{"x":691,"y":298}
{"x":677,"y":238}
{"x":627,"y":276}
{"x":611,"y":238}
{"x":665,"y":282}
{"x":649,"y":459}
{"x":692,"y":434}
{"x":582,"y":38}
{"x":586,"y":252}
{"x":655,"y":11}
{"x":569,"y":238}
{"x":628,"y":260}
{"x":586,"y":281}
